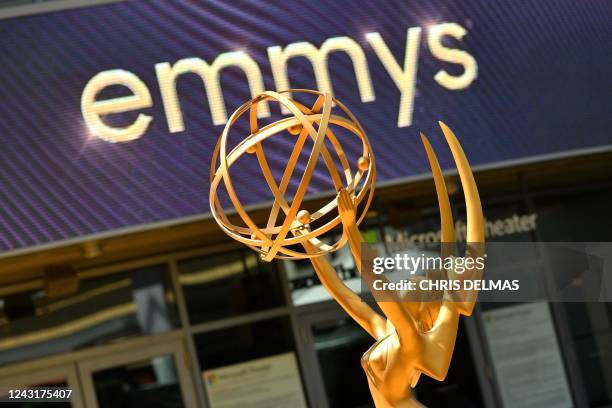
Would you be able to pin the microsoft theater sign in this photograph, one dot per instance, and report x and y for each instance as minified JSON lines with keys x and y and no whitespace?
{"x":403,"y":75}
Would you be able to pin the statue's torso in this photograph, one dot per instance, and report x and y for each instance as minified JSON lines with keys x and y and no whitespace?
{"x":390,"y":372}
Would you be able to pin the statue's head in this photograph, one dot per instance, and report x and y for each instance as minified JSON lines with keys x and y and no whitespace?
{"x":290,"y":224}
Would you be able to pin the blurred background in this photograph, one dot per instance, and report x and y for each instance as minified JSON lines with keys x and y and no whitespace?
{"x":116,"y":282}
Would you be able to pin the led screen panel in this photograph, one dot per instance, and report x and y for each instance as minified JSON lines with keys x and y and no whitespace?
{"x":516,"y":82}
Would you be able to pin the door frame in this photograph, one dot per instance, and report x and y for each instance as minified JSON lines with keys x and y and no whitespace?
{"x":306,"y":317}
{"x":174,"y":348}
{"x":70,"y":363}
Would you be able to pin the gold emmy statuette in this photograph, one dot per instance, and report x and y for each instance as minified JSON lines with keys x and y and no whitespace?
{"x":413,"y":337}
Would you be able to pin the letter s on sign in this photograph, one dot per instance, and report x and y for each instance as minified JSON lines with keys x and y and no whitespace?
{"x":470,"y":68}
{"x":92,"y":109}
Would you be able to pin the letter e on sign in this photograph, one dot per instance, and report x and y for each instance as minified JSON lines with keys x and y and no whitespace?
{"x":93,"y":109}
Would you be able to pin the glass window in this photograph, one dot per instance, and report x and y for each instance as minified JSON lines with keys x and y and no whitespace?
{"x":147,"y":383}
{"x":575,"y":218}
{"x":340,"y":345}
{"x":229,"y":284}
{"x":103,"y":309}
{"x":245,"y":342}
{"x":460,"y":389}
{"x":252,"y":364}
{"x":584,"y":218}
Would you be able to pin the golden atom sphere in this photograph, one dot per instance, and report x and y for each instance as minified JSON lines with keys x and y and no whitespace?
{"x":299,"y":226}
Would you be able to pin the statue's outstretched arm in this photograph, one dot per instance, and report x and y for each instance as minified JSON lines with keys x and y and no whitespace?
{"x":359,"y":310}
{"x":393,"y":309}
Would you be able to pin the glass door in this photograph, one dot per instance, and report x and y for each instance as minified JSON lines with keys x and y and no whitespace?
{"x":331,"y":347}
{"x":57,"y":376}
{"x":156,"y":377}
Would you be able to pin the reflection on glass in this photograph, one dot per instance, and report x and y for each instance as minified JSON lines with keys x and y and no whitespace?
{"x":340,"y":345}
{"x":151,"y":383}
{"x":103,"y":309}
{"x":246,"y":342}
{"x":591,"y":325}
{"x":229,"y":284}
{"x":584,"y":218}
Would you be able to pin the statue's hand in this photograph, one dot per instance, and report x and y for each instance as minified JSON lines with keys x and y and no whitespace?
{"x":346,"y":208}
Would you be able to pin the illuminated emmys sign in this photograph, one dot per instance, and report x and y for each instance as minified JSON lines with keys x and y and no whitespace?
{"x":402,"y":74}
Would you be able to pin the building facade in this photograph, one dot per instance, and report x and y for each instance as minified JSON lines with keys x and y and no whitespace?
{"x":116,"y":283}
